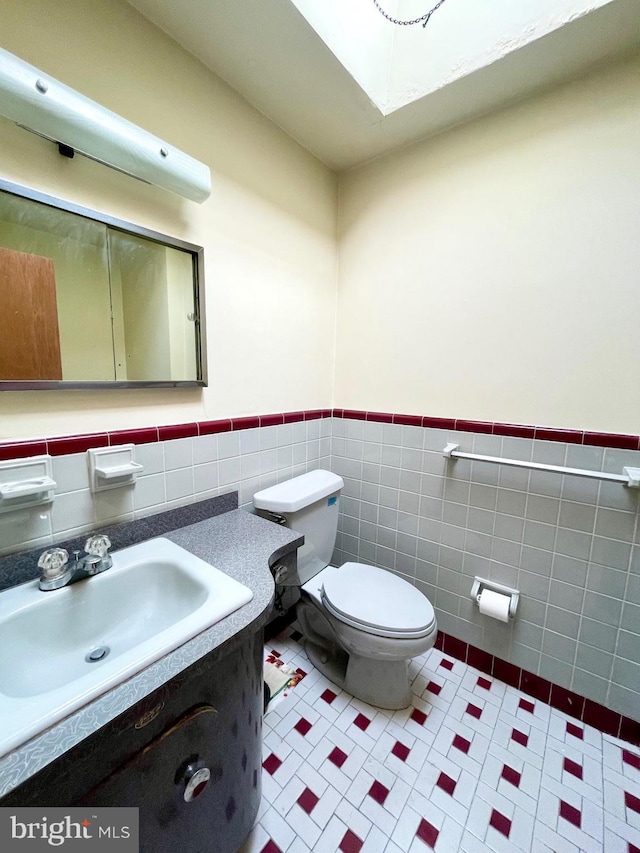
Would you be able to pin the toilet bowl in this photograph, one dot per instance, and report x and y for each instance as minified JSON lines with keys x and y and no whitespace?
{"x":361,"y":624}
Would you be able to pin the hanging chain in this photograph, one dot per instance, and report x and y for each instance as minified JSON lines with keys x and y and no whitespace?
{"x":424,"y":19}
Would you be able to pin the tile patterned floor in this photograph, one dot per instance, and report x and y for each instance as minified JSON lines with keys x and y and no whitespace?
{"x":473,"y":765}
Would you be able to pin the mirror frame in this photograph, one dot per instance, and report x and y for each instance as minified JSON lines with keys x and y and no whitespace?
{"x":197,"y":252}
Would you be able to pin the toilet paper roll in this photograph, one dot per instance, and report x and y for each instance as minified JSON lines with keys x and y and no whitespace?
{"x":494,"y":604}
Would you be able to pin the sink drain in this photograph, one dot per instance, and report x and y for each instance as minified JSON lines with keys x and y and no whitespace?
{"x":97,"y":654}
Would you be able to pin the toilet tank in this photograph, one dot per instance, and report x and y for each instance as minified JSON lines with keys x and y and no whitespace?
{"x":309,"y":504}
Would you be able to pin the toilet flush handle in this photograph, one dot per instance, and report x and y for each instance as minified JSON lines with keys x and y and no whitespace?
{"x":277,"y":518}
{"x":280,"y":572}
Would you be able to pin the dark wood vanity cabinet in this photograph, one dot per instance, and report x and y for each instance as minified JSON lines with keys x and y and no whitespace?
{"x":188,"y":756}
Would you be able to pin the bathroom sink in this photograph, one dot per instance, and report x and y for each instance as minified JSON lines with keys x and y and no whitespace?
{"x":155,"y":597}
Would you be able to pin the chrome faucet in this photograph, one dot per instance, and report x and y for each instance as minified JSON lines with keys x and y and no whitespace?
{"x":57,"y":571}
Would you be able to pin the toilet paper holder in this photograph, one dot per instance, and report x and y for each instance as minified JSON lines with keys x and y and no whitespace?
{"x":482,"y":583}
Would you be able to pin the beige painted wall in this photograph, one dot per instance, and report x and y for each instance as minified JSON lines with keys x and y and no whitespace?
{"x":492,"y":272}
{"x":268,"y":229}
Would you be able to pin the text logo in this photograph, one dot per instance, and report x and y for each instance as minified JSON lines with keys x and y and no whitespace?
{"x":73,"y":829}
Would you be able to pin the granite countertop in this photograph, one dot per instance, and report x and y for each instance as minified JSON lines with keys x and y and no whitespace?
{"x":243,"y":546}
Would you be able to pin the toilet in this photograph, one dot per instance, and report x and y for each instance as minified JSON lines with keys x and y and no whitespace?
{"x":361,"y":624}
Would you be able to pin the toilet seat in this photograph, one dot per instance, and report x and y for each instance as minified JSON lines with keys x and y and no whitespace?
{"x":377,"y":602}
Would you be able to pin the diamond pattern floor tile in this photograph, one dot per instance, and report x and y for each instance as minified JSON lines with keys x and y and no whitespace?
{"x":473,"y":765}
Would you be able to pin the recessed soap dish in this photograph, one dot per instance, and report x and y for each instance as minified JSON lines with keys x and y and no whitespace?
{"x":26,"y":483}
{"x":113,"y":467}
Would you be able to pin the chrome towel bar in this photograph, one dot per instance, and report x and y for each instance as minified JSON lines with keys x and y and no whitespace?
{"x":630,"y":476}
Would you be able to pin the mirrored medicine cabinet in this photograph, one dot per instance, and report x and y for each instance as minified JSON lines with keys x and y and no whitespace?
{"x":89,"y":301}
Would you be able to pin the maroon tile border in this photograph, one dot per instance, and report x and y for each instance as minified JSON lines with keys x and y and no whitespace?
{"x":507,"y":672}
{"x":439,"y":423}
{"x":479,"y":659}
{"x":630,"y":730}
{"x":475,"y":426}
{"x":22,"y":449}
{"x":408,"y":420}
{"x":246,"y":423}
{"x":170,"y":431}
{"x":76,"y":443}
{"x":213,"y":427}
{"x":570,"y":436}
{"x":380,"y":417}
{"x":143,"y":435}
{"x":271,"y":420}
{"x":566,"y":701}
{"x":601,"y":718}
{"x":535,"y":686}
{"x":134,"y":436}
{"x":591,"y":713}
{"x":315,"y":414}
{"x":454,"y":647}
{"x":608,"y":439}
{"x":517,"y":430}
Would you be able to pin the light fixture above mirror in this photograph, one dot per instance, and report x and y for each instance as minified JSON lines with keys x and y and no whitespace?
{"x":44,"y":105}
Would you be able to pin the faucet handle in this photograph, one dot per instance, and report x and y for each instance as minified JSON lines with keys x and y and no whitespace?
{"x":52,"y":562}
{"x":98,"y":545}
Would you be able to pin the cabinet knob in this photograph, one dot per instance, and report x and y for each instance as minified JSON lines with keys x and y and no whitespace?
{"x":196,"y":778}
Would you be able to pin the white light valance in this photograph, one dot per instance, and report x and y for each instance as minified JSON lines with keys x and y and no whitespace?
{"x":47,"y":107}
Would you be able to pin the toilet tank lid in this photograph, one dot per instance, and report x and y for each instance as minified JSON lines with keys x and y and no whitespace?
{"x":293,"y":495}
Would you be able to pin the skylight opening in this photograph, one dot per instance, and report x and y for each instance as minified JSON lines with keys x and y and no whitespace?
{"x":397,"y":63}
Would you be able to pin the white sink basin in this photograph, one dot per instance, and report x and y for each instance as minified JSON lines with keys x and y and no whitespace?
{"x":155,"y":597}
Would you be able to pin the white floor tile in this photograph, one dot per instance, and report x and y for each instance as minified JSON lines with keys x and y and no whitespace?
{"x":327,"y":806}
{"x":287,"y":797}
{"x":298,"y":846}
{"x":278,"y":829}
{"x":331,"y":837}
{"x":473,"y":765}
{"x":303,"y":826}
{"x":544,"y":839}
{"x":256,"y":841}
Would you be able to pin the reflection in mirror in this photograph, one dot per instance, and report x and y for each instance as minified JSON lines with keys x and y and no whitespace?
{"x":152,"y":304}
{"x":88,"y":301}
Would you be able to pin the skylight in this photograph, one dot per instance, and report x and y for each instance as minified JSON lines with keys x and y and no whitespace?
{"x":397,"y":65}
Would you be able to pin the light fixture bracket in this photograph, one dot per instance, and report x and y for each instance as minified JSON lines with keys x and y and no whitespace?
{"x":76,"y":124}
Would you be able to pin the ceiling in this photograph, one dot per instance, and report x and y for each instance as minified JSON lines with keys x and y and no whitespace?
{"x":269,"y":53}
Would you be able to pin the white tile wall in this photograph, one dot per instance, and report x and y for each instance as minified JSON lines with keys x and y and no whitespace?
{"x":176,"y":472}
{"x":572,"y":546}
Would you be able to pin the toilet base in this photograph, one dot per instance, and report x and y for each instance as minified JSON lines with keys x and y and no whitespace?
{"x":332,"y":666}
{"x":381,"y":683}
{"x":378,"y":681}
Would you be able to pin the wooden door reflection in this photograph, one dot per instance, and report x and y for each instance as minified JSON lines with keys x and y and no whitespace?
{"x":29,"y":334}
